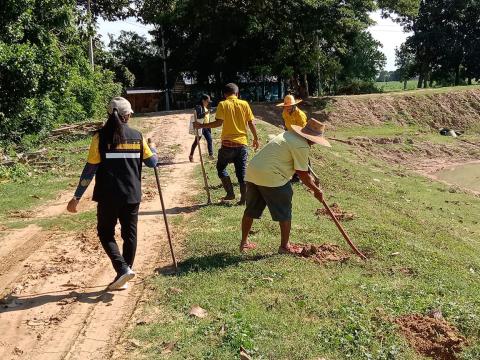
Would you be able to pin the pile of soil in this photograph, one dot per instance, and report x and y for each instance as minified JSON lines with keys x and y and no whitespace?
{"x":338,"y":212}
{"x":431,"y":336}
{"x":454,"y":109}
{"x":324,"y":253}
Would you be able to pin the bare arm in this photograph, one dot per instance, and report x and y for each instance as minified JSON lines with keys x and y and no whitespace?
{"x":215,"y":124}
{"x":309,"y":182}
{"x":253,"y":129}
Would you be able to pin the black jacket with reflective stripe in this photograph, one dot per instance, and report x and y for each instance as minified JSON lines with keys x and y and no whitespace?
{"x":118,"y":178}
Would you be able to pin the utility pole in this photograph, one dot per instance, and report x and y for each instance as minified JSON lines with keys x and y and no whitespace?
{"x":90,"y":37}
{"x":319,"y":72}
{"x":165,"y":75}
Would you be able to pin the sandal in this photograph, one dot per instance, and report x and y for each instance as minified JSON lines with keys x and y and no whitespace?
{"x":292,"y":249}
{"x":248,"y":246}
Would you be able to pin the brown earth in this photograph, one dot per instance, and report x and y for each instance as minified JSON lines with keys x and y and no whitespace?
{"x":340,"y":215}
{"x":432,"y":336}
{"x":425,"y":157}
{"x":459,"y":109}
{"x":53,"y":299}
{"x":324,"y":253}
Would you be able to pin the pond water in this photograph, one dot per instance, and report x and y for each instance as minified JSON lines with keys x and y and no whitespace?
{"x":466,"y":176}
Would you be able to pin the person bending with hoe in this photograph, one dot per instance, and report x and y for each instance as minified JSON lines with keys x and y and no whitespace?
{"x":268,"y":180}
{"x":115,"y":160}
{"x":235,"y":115}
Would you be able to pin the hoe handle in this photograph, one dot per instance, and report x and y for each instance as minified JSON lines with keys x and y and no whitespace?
{"x":344,"y":233}
{"x":339,"y":226}
{"x":205,"y":180}
{"x":165,"y":217}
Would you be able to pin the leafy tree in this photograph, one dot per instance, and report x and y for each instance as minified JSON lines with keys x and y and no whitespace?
{"x":107,"y":9}
{"x":139,"y":56}
{"x":44,"y":74}
{"x":405,"y":61}
{"x":225,"y":40}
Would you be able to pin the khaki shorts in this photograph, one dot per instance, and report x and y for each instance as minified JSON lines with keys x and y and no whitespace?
{"x":278,"y":199}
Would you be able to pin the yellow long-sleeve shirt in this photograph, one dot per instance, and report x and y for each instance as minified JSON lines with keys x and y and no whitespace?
{"x":298,"y":117}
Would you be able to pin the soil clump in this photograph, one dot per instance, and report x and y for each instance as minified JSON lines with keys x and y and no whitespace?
{"x":338,"y":212}
{"x":324,"y":253}
{"x":431,"y":336}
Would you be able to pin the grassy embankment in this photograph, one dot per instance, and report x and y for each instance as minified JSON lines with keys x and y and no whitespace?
{"x":26,"y":188}
{"x":282,"y":307}
{"x":397,"y":86}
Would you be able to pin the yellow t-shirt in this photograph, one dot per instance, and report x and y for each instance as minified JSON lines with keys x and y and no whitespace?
{"x":298,"y":117}
{"x":94,"y":152}
{"x":275,"y":164}
{"x":235,"y":114}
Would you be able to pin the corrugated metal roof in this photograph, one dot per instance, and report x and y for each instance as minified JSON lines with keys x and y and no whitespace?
{"x":144,"y":91}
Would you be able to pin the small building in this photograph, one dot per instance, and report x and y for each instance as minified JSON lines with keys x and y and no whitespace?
{"x":146,"y":100}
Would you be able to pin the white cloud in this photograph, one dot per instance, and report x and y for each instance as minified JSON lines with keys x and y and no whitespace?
{"x":114,"y":28}
{"x":390,"y":34}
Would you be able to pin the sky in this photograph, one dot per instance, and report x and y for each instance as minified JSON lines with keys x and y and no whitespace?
{"x":388,"y":33}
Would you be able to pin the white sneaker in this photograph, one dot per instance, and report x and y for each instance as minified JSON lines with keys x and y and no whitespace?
{"x":124,"y":287}
{"x":121,"y":280}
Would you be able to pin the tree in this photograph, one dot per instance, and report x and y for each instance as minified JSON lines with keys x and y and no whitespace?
{"x":107,"y":9}
{"x":405,"y":61}
{"x":44,"y":75}
{"x":139,"y":56}
{"x":287,"y":39}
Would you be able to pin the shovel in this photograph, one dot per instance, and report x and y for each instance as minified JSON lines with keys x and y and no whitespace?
{"x":334,"y":218}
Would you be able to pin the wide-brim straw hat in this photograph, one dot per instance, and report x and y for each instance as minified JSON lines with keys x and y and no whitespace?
{"x":313,"y":131}
{"x":289,"y":100}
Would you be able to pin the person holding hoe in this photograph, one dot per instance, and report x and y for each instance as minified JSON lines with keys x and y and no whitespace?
{"x":202,"y":111}
{"x":268,"y":180}
{"x":235,"y":115}
{"x":115,"y":159}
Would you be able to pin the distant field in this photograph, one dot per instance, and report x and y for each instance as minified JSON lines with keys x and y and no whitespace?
{"x":390,"y":86}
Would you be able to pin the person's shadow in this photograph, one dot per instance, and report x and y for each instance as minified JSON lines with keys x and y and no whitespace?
{"x":209,"y":263}
{"x":24,"y":302}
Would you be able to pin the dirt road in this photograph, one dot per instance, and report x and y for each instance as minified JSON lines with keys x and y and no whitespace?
{"x":53,"y":283}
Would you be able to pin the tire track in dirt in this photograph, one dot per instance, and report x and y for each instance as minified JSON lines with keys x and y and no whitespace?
{"x":59,"y":309}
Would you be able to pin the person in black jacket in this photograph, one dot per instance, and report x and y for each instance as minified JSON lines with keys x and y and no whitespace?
{"x":115,"y":159}
{"x":203,"y":112}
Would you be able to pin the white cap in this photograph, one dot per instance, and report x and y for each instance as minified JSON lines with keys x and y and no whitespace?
{"x":122,"y":105}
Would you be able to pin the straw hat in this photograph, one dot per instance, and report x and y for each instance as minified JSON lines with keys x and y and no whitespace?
{"x":313,"y":131}
{"x":289,"y":101}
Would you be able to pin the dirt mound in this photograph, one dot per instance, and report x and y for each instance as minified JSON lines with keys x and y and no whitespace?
{"x":431,"y":335}
{"x":324,"y":253}
{"x":454,"y":109}
{"x":338,"y":212}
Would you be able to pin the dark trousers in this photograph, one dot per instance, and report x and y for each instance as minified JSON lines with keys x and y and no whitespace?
{"x":208,"y":136}
{"x":107,"y":215}
{"x":238,"y":156}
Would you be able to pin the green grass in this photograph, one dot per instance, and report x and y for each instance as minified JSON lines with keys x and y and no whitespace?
{"x":391,"y":86}
{"x":397,"y":86}
{"x":281,"y":307}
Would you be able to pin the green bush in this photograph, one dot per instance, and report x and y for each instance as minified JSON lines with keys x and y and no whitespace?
{"x":45,"y":76}
{"x":357,"y":86}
